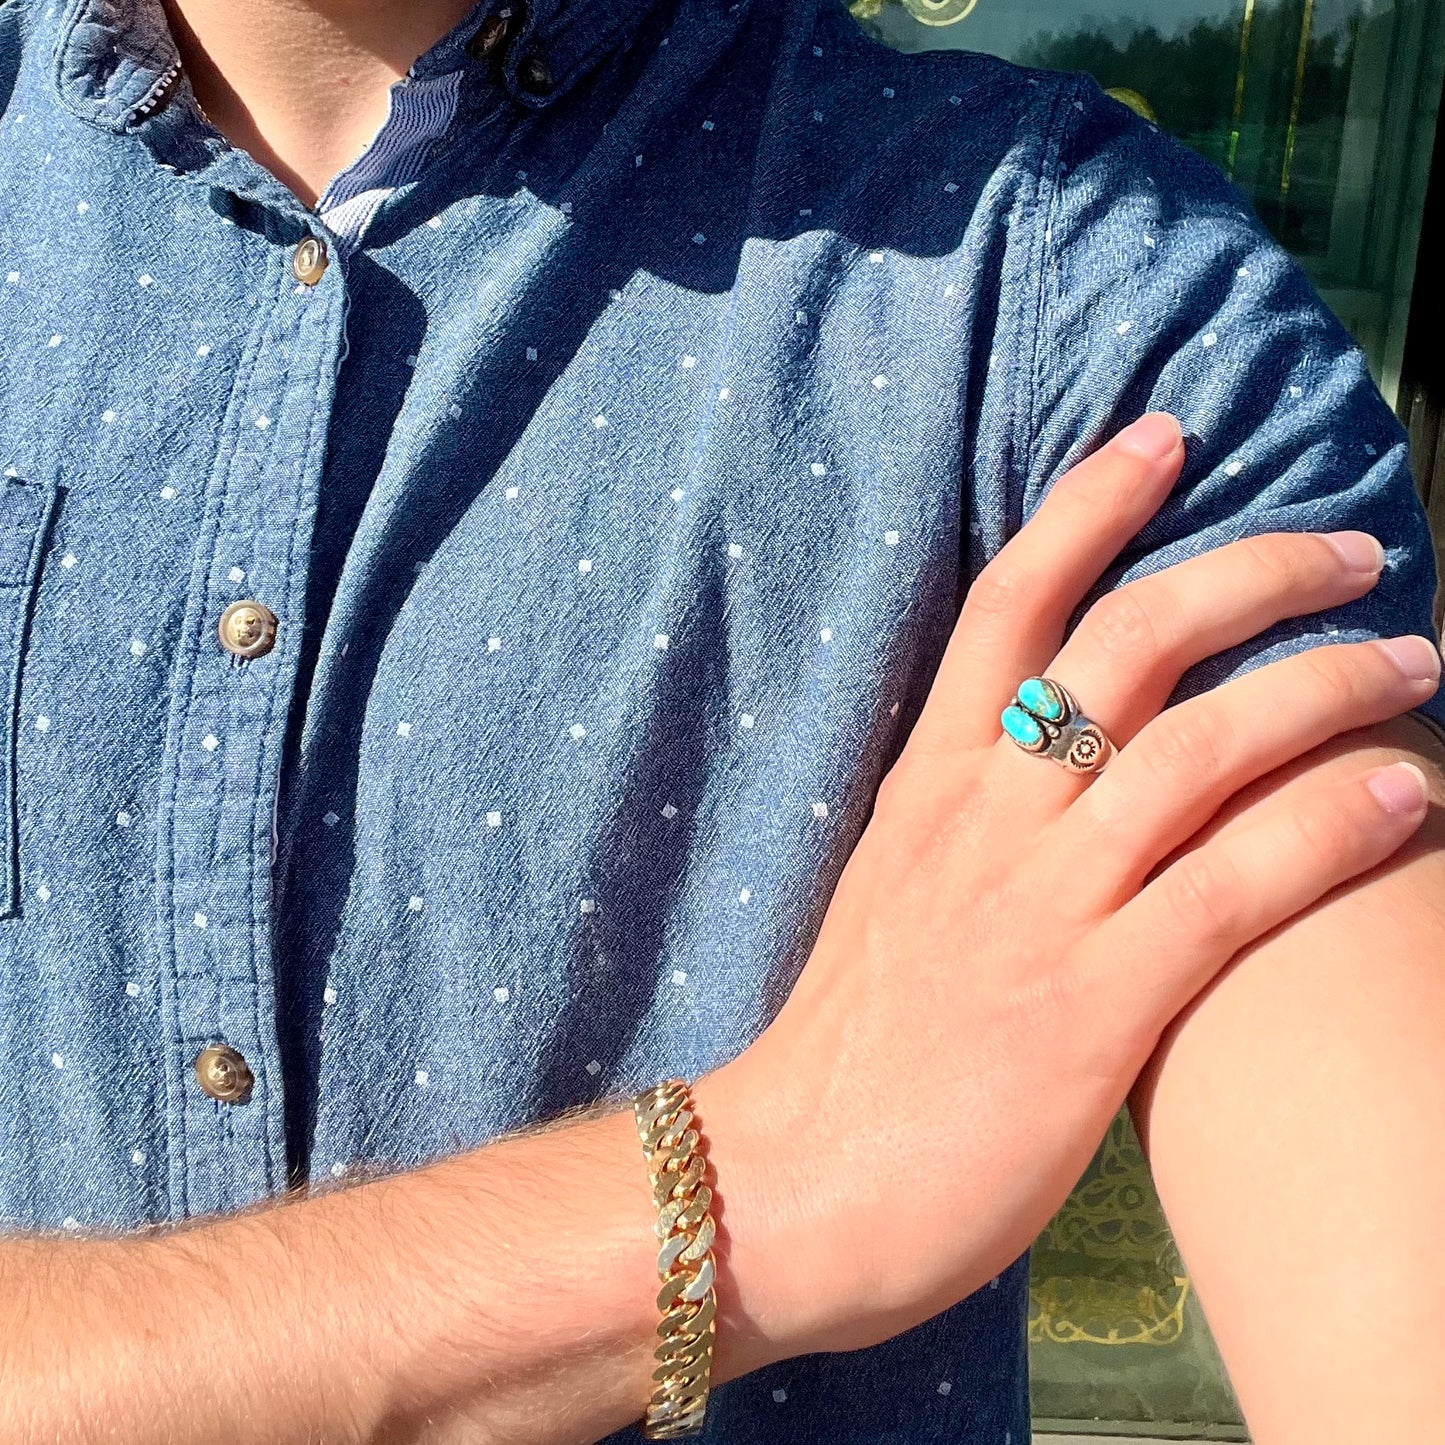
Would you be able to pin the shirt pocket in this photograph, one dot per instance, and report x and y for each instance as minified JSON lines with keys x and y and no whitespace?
{"x":25,"y":512}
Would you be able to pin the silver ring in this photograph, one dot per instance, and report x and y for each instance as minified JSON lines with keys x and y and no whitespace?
{"x":1043,"y":718}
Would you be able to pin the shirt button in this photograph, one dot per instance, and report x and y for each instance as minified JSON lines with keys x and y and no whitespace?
{"x":223,"y":1074}
{"x":533,"y":75}
{"x":248,"y":629}
{"x":309,"y":261}
{"x":488,"y":37}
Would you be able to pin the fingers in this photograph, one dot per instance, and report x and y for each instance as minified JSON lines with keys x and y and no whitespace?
{"x":1014,"y":615}
{"x":1172,"y":939}
{"x":1128,"y":653}
{"x":1185,"y":765}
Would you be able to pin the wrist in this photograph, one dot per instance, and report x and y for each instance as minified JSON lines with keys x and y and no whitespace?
{"x":779,"y":1280}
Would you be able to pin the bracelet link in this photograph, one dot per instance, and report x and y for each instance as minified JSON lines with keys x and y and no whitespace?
{"x":685,"y":1229}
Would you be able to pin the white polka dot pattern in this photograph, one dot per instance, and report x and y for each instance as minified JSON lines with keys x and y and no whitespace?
{"x":613,"y":517}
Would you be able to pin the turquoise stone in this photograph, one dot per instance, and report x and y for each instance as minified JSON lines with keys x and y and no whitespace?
{"x":1042,"y":699}
{"x":1022,"y":728}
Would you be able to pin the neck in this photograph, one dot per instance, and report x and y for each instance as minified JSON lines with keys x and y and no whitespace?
{"x":302,"y":84}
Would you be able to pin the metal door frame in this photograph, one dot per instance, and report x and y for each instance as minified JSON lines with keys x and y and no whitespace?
{"x":1422,"y":379}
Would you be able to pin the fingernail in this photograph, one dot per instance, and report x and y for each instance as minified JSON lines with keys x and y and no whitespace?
{"x":1153,"y":437}
{"x":1400,"y":788}
{"x":1417,"y":657}
{"x":1359,"y":551}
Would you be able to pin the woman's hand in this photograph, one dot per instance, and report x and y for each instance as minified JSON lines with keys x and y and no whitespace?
{"x":1009,"y":940}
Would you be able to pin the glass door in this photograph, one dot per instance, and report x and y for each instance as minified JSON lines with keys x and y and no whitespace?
{"x":1324,"y":113}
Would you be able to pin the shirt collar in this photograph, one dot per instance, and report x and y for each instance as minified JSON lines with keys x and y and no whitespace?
{"x":117,"y":65}
{"x":450,"y":52}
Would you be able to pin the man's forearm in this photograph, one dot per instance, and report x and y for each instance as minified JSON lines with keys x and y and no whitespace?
{"x":504,"y":1295}
{"x":1294,"y":1123}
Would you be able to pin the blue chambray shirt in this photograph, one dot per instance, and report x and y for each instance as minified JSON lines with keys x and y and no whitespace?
{"x":676,"y":366}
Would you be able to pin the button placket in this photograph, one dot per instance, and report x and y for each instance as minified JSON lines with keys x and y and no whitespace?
{"x":231,"y":697}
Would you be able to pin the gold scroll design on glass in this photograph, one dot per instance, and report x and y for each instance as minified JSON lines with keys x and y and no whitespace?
{"x":1136,"y":101}
{"x":1106,"y":1270}
{"x":685,"y":1265}
{"x":926,"y":12}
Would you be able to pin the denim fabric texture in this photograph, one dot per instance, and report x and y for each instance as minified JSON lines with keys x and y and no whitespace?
{"x":615,"y":488}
